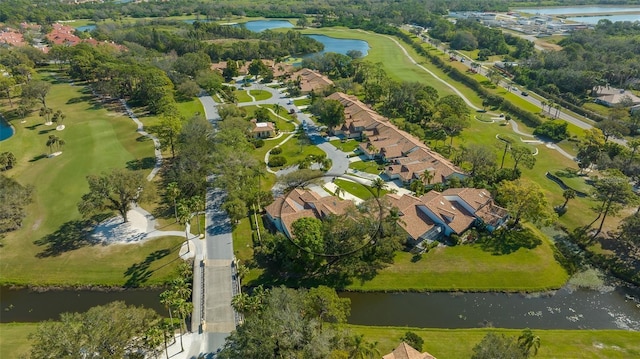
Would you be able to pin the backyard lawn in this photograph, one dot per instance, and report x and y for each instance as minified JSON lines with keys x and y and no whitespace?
{"x":459,"y":343}
{"x":469,"y":267}
{"x":302,"y":102}
{"x":52,"y":236}
{"x":260,"y":95}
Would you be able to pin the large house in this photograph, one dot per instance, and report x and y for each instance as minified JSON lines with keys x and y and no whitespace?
{"x":300,"y":203}
{"x":262,"y":129}
{"x":311,"y":80}
{"x":611,"y":96}
{"x":407,"y":156}
{"x":453,"y":211}
{"x":406,"y":351}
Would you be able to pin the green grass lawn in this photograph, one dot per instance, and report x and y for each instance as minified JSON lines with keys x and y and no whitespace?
{"x":345,"y":146}
{"x":243,"y":246}
{"x":242,"y":96}
{"x":190,"y":108}
{"x":359,"y":190}
{"x":260,"y":95}
{"x":459,"y":343}
{"x":96,"y":140}
{"x":282,"y":125}
{"x":14,"y":342}
{"x":294,"y":153}
{"x":302,"y":102}
{"x":366,"y":166}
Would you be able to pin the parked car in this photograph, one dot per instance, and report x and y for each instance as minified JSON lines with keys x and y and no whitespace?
{"x":525,"y":93}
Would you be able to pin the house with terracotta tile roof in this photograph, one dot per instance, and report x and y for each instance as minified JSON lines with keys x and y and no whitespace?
{"x":63,"y":35}
{"x":407,"y":156}
{"x":11,"y":37}
{"x":437,"y":214}
{"x":300,"y":203}
{"x":611,"y":96}
{"x":406,"y":351}
{"x":262,"y":129}
{"x":311,"y":80}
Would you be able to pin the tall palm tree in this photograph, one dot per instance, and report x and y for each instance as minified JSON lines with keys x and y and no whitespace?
{"x":197,"y":205}
{"x":52,"y":141}
{"x":153,"y":339}
{"x":339,"y":191}
{"x":529,"y":341}
{"x":426,"y":177}
{"x":378,"y":184}
{"x":184,"y":217}
{"x":166,"y":299}
{"x":173,"y":192}
{"x":183,"y":308}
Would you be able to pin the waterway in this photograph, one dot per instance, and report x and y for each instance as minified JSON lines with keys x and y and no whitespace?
{"x":6,"y":130}
{"x":86,"y":28}
{"x":564,"y":309}
{"x":588,"y":14}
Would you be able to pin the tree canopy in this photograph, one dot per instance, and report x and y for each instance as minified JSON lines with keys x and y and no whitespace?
{"x":13,"y":200}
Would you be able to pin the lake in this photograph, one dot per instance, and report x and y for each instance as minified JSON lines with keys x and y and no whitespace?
{"x":262,"y":25}
{"x":6,"y":131}
{"x":340,"y":46}
{"x":86,"y":28}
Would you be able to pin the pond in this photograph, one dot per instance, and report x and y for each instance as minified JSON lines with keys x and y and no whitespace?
{"x":86,"y":28}
{"x":341,"y":46}
{"x":6,"y":130}
{"x":262,"y":25}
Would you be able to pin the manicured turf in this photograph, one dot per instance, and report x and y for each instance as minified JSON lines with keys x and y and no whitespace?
{"x":260,"y":95}
{"x":190,"y":108}
{"x":282,"y":125}
{"x":345,"y":146}
{"x":96,"y":140}
{"x":358,"y":190}
{"x":295,"y":153}
{"x":302,"y":102}
{"x":366,"y":166}
{"x":470,"y":268}
{"x":14,"y":342}
{"x":459,"y":343}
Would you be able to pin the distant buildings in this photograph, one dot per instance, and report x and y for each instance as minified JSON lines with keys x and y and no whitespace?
{"x":63,"y":35}
{"x":11,"y":37}
{"x":310,"y":80}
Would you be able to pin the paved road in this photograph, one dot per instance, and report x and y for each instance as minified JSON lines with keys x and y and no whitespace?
{"x":219,"y":277}
{"x":210,"y":107}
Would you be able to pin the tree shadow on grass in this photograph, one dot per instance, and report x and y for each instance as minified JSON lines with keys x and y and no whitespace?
{"x":79,"y":99}
{"x":70,"y":236}
{"x":42,"y":132}
{"x":140,"y":272}
{"x":141,"y":163}
{"x":34,"y":126}
{"x":38,"y":158}
{"x":506,"y":241}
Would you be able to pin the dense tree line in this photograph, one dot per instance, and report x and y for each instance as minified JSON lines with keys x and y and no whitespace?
{"x":289,"y":323}
{"x":13,"y":200}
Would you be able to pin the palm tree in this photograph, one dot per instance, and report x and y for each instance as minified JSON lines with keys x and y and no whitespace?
{"x":52,"y":141}
{"x":363,"y":349}
{"x":339,"y":191}
{"x":426,"y":177}
{"x":184,"y":217}
{"x":568,"y":194}
{"x":166,"y":299}
{"x":184,"y":308}
{"x":153,"y":339}
{"x":527,"y":341}
{"x":61,"y":143}
{"x":173,"y":192}
{"x":197,"y":204}
{"x":45,"y":113}
{"x":378,"y":184}
{"x":277,"y":108}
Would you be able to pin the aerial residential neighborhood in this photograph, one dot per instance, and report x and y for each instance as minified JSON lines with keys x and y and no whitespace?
{"x":233,"y":179}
